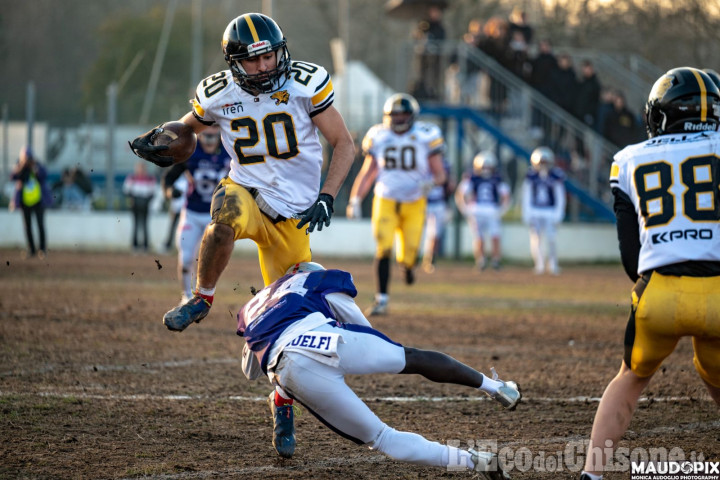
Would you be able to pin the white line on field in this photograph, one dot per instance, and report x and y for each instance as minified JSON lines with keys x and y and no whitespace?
{"x":411,"y":399}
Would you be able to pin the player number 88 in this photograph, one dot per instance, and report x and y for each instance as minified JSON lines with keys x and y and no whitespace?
{"x":700,"y":176}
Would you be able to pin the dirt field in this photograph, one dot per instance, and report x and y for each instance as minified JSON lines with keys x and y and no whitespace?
{"x":92,"y":385}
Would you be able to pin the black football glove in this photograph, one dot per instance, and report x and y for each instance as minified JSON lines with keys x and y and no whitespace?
{"x":142,"y":147}
{"x":318,"y":214}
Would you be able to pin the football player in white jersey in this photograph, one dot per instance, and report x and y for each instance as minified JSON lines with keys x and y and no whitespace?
{"x":667,"y":206}
{"x":483,"y":198}
{"x":306,"y":333}
{"x":403,"y":157}
{"x":269,"y":109}
{"x":543,"y":207}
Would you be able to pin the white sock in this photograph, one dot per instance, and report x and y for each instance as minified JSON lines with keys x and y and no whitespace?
{"x":381,"y":297}
{"x":206,"y":291}
{"x":592,"y":476}
{"x":489,"y":385}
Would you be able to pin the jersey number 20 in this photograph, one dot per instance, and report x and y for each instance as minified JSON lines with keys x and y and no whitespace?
{"x":282,"y":119}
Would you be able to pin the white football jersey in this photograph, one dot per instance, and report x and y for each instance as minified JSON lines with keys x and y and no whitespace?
{"x":402,"y":159}
{"x":273,"y":142}
{"x":673,"y":182}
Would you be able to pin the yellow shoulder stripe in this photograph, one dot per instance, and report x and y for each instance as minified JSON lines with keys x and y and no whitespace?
{"x":436,"y":143}
{"x":198,"y":109}
{"x":614,"y":171}
{"x":322,"y":94}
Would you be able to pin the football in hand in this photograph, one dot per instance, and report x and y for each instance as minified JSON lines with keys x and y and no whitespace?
{"x":180,"y":139}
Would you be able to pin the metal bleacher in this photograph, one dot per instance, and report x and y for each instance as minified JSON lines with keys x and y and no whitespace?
{"x":514,"y":118}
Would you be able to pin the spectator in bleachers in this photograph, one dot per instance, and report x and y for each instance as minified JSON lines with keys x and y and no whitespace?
{"x":139,"y":186}
{"x":518,"y":60}
{"x":495,"y":44}
{"x":564,"y":83}
{"x":428,"y":35}
{"x":588,"y":95}
{"x":605,"y":106}
{"x":463,"y":77}
{"x":517,"y":22}
{"x":544,"y":68}
{"x":621,"y":126}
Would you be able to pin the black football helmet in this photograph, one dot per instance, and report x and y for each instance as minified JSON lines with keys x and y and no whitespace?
{"x":251,"y":35}
{"x":714,"y":76}
{"x":684,"y":99}
{"x":400,"y":103}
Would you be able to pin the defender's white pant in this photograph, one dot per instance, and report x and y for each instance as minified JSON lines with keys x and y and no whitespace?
{"x":322,"y":390}
{"x":190,"y":230}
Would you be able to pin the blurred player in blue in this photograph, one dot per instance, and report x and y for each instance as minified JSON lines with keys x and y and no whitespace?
{"x":437,"y":215}
{"x":667,"y":206}
{"x":305,"y":332}
{"x":543,"y":207}
{"x":204,"y":170}
{"x":483,"y":198}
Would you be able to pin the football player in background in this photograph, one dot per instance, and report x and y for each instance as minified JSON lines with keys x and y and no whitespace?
{"x":306,"y":333}
{"x":668,"y":223}
{"x":403,"y":157}
{"x":204,"y":170}
{"x":483,"y":198}
{"x":543,"y":207}
{"x":438,"y":214}
{"x":269,"y":109}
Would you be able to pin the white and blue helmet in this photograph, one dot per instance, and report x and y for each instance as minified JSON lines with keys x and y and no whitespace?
{"x":304,"y":267}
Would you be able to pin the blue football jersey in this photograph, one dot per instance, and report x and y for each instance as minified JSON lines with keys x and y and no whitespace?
{"x":542,"y":188}
{"x":486,"y":190}
{"x":206,"y":171}
{"x":286,"y":301}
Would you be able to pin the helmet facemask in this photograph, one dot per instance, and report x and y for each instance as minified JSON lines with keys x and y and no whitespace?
{"x":264,"y":82}
{"x":400,"y":111}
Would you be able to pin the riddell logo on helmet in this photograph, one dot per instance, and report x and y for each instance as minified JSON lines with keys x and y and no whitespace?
{"x":257,"y":45}
{"x":699,"y":127}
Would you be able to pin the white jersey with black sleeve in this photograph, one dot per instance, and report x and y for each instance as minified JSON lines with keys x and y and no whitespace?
{"x":271,"y":137}
{"x":673,"y":181}
{"x":402,"y":159}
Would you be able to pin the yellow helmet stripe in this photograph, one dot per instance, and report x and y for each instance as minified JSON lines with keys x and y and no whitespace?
{"x":251,"y":26}
{"x":703,"y":96}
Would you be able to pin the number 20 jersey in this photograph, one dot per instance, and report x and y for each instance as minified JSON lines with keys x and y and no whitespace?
{"x":273,"y":142}
{"x":402,"y":159}
{"x":673,"y":182}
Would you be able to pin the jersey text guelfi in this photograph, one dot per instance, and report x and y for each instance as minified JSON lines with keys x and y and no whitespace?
{"x":402,"y":159}
{"x":284,"y":303}
{"x":273,"y":142}
{"x":673,"y":182}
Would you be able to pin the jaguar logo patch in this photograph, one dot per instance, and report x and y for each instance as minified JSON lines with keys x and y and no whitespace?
{"x":662,"y":86}
{"x":280,"y":97}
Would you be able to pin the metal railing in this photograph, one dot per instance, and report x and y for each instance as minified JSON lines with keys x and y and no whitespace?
{"x":521,"y":112}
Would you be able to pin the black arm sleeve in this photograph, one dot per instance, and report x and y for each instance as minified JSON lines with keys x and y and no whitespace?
{"x":628,"y":233}
{"x":172,"y":174}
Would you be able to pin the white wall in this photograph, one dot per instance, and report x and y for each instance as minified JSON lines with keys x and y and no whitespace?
{"x":112,"y":231}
